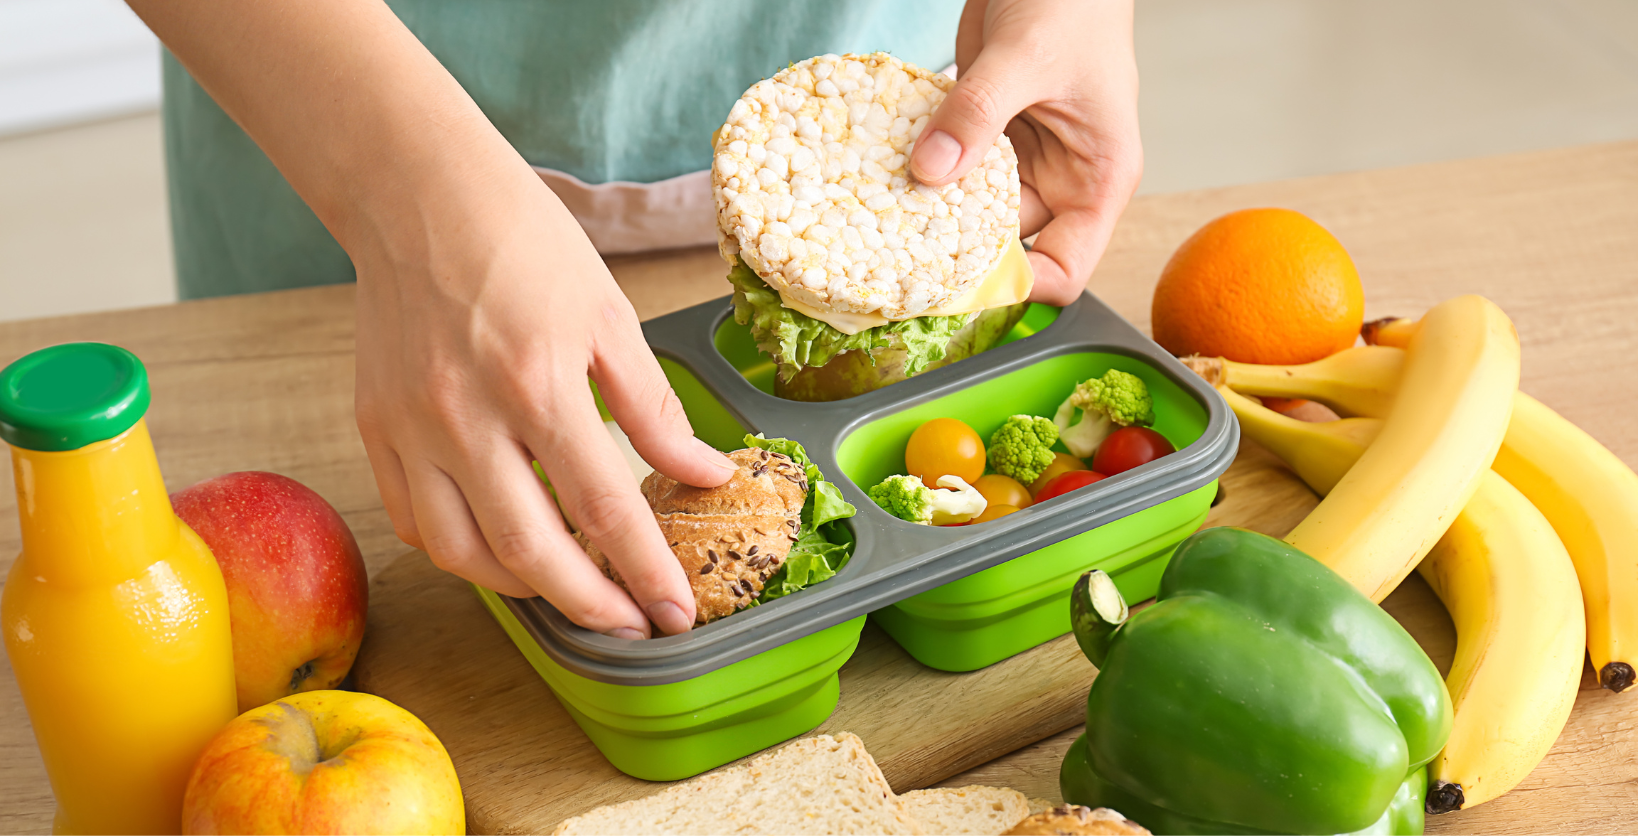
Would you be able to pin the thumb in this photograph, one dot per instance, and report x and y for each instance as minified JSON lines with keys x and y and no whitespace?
{"x":986,"y":97}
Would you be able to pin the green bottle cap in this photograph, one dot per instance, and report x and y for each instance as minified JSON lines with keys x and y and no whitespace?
{"x":67,"y":396}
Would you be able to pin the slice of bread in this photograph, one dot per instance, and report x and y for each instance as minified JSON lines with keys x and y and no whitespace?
{"x":816,"y":785}
{"x":967,"y":811}
{"x":1070,"y":819}
{"x":1041,"y":805}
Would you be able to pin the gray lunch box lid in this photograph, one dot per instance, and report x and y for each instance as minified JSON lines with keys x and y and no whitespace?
{"x":891,"y":562}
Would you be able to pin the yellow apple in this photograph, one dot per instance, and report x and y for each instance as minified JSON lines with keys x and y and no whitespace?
{"x":324,"y":762}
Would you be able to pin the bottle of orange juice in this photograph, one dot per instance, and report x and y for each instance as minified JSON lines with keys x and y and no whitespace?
{"x":115,"y":616}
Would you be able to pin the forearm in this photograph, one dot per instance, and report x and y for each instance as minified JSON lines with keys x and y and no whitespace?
{"x":358,"y":116}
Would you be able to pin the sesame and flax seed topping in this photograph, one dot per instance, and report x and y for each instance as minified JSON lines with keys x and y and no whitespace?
{"x":813,"y":190}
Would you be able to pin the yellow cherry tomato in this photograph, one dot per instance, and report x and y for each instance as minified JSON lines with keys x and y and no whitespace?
{"x":995,"y":512}
{"x":942,"y":447}
{"x":1003,"y":490}
{"x":1061,"y":463}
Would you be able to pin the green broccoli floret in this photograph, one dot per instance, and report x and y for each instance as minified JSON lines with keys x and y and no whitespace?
{"x":1022,"y":448}
{"x":904,"y":497}
{"x":909,"y":499}
{"x":1100,"y":405}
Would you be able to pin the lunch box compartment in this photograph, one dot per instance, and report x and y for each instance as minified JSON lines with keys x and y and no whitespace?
{"x":1004,"y":610}
{"x":956,"y":598}
{"x":670,"y":731}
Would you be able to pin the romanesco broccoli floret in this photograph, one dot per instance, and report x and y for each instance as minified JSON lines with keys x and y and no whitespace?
{"x":1100,"y":405}
{"x":907,"y":498}
{"x":1022,"y":448}
{"x":904,"y":497}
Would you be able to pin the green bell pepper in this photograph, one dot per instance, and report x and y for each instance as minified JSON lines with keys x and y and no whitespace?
{"x":1261,"y":693}
{"x":1077,"y":781}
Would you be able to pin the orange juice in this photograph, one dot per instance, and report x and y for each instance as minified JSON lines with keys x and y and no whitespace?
{"x":115,"y":615}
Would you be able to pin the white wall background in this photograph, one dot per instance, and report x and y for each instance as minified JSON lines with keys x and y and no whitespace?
{"x":69,"y":61}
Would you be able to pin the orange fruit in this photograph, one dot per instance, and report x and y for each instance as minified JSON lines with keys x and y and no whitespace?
{"x":1259,"y":286}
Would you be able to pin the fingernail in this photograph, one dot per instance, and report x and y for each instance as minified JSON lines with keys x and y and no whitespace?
{"x":935,"y":156}
{"x":625,"y":633}
{"x":668,"y":617}
{"x":715,"y":457}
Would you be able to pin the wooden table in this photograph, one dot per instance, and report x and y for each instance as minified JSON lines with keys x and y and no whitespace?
{"x":265,"y":382}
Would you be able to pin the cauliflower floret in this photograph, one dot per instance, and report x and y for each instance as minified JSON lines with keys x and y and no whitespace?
{"x":1022,"y":447}
{"x":1100,"y":405}
{"x":908,"y":499}
{"x":959,"y":504}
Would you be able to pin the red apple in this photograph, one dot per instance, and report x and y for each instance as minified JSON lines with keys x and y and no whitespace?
{"x":296,"y":586}
{"x":324,"y":762}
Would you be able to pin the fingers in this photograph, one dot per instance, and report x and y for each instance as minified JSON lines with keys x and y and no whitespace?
{"x":1066,"y":251}
{"x":394,"y":489}
{"x":526,"y":537}
{"x":1033,"y":215}
{"x":638,"y":396}
{"x":451,"y":537}
{"x":1085,"y":194}
{"x":602,"y":499}
{"x":999,"y":84}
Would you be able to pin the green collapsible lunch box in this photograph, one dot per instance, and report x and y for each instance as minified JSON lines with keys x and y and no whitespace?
{"x":956,"y":599}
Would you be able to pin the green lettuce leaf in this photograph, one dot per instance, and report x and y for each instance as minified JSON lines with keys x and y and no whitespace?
{"x":795,"y":340}
{"x":822,"y":545}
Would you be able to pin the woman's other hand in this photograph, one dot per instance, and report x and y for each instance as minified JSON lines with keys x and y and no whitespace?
{"x":1059,"y":77}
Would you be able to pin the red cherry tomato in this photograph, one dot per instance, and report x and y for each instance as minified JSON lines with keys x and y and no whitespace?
{"x":1067,"y":482}
{"x":1129,"y":447}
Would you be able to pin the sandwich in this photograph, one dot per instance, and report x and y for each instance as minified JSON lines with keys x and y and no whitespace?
{"x":770,"y":530}
{"x":849,"y":273}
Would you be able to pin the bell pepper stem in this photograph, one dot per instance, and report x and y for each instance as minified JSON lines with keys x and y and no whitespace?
{"x":1097,"y":610}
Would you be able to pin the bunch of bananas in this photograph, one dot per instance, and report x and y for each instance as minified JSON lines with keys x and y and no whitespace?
{"x":1524,"y":526}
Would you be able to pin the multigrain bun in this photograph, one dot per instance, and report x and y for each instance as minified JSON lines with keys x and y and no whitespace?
{"x":729,"y":539}
{"x":1072,"y":819}
{"x":753,"y":489}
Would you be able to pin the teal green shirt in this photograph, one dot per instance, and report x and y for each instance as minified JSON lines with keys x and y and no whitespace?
{"x":604,"y":90}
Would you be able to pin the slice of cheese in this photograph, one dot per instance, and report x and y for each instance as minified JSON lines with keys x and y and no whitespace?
{"x":1008,"y":284}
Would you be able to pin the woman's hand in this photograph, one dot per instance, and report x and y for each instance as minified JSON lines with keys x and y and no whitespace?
{"x":482,"y":308}
{"x":1059,"y":77}
{"x":476,"y":335}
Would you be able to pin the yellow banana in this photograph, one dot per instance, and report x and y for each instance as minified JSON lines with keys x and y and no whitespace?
{"x":1393,"y":330}
{"x":1591,"y":499}
{"x":1503,"y":573}
{"x":1461,"y":371}
{"x":1511,"y":590}
{"x":1588,"y":494}
{"x":1319,"y":453}
{"x":1354,"y":381}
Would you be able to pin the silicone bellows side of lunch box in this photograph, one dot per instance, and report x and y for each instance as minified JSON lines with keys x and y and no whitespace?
{"x":680,"y":729}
